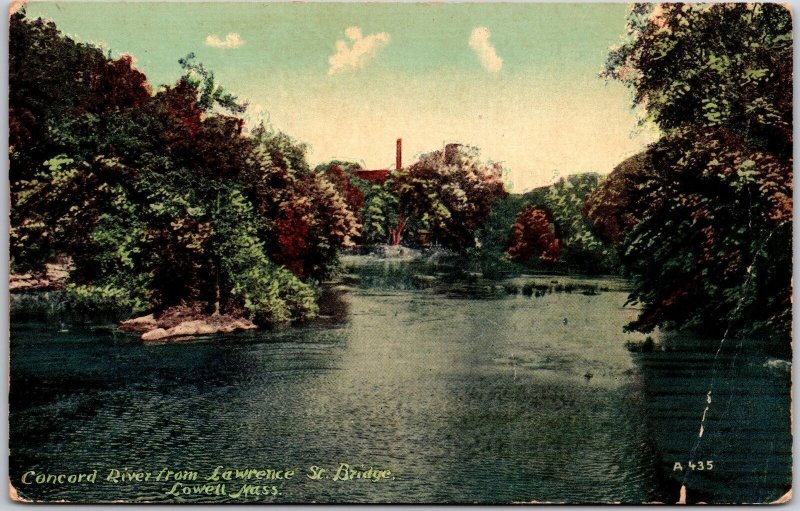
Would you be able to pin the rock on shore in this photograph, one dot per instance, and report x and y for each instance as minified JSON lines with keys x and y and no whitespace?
{"x":184,"y":322}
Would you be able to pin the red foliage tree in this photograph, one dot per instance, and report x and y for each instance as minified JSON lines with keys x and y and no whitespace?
{"x":293,"y":232}
{"x":533,"y":235}
{"x":620,"y":203}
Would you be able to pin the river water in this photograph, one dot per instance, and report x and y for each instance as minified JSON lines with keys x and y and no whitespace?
{"x":462,"y":391}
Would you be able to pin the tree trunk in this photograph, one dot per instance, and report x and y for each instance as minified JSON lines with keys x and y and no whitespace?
{"x":396,"y":232}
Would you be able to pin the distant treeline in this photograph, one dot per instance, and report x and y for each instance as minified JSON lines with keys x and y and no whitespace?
{"x":546,"y":230}
{"x":449,"y":199}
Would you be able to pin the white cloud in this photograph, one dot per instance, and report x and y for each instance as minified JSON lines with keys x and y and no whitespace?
{"x":479,"y":42}
{"x":232,"y":40}
{"x":358,"y":53}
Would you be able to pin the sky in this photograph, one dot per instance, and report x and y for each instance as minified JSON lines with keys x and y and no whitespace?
{"x":519,"y":81}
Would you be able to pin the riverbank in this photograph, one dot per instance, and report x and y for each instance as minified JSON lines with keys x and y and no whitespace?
{"x":47,"y":301}
{"x":435,"y":270}
{"x":179,"y":322}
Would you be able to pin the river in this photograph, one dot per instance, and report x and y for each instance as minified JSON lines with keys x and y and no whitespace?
{"x":464,"y":392}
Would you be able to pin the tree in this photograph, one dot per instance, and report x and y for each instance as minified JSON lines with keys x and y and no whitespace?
{"x":702,"y":218}
{"x":382,"y":216}
{"x":210,"y":94}
{"x":342,"y":175}
{"x":448,"y":193}
{"x":61,"y":93}
{"x":616,"y":206}
{"x":581,"y":250}
{"x":307,"y":221}
{"x":533,"y":235}
{"x":711,"y":65}
{"x":160,"y":198}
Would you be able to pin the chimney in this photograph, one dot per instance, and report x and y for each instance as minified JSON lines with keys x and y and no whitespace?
{"x":399,"y":158}
{"x":450,"y":152}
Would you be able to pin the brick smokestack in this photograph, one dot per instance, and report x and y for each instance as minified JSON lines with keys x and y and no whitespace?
{"x":399,"y":156}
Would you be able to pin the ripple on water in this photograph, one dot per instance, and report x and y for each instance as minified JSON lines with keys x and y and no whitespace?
{"x":464,"y":400}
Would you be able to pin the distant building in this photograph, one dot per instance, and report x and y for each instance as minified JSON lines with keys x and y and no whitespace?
{"x":380,"y":175}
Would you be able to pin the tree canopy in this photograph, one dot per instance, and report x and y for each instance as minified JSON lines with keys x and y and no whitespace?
{"x":160,"y":198}
{"x":702,"y":218}
{"x":448,"y":194}
{"x":533,"y":235}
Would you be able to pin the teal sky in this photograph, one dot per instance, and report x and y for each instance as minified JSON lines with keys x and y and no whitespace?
{"x":517,"y":80}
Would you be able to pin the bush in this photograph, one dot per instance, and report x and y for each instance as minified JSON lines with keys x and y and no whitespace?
{"x":527,"y":289}
{"x":102,"y":299}
{"x":270,"y":294}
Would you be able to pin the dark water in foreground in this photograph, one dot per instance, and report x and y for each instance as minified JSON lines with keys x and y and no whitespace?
{"x":464,"y":396}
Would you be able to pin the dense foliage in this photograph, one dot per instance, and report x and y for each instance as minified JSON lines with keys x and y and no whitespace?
{"x":160,"y":198}
{"x":511,"y":230}
{"x":533,"y":235}
{"x":702,"y":218}
{"x":383,"y":219}
{"x":581,"y":250}
{"x":447,"y":195}
{"x":440,"y":200}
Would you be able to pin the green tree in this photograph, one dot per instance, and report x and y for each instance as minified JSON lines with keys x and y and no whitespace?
{"x":702,"y":218}
{"x":447,"y":193}
{"x":160,"y":199}
{"x":382,"y":216}
{"x":581,"y":249}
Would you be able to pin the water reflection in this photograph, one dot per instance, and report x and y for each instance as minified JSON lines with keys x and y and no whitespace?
{"x":747,"y":428}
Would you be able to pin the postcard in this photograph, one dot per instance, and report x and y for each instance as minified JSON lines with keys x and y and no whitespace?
{"x":440,"y":253}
